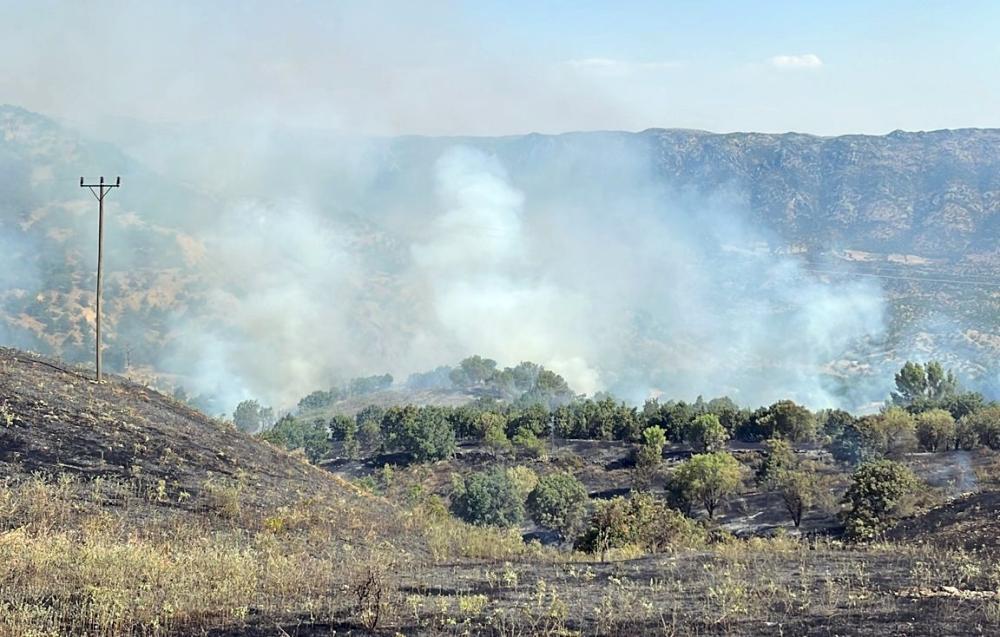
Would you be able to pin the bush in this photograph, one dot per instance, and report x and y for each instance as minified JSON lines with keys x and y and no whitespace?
{"x":250,"y":417}
{"x":936,"y":430}
{"x":649,"y":456}
{"x":706,"y":433}
{"x":524,"y":479}
{"x":639,"y":520}
{"x":559,"y":502}
{"x":801,"y":488}
{"x":424,"y":433}
{"x":986,"y":423}
{"x":488,"y":498}
{"x":312,"y":437}
{"x":784,"y":419}
{"x":529,"y":443}
{"x":878,"y":493}
{"x":708,"y":478}
{"x":900,"y":431}
{"x":778,"y":457}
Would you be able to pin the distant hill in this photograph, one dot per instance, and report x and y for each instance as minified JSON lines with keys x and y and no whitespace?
{"x":918,"y":213}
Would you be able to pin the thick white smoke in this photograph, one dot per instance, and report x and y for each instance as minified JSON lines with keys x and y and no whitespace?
{"x":489,"y":286}
{"x":276,"y":279}
{"x":616,"y":284}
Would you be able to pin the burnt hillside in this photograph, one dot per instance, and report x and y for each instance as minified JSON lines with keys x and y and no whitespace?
{"x":55,"y":420}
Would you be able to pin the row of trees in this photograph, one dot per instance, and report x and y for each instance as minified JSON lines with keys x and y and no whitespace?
{"x":877,"y":494}
{"x":933,"y":415}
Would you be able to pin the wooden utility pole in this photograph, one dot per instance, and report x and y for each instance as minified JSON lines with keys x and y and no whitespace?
{"x":102,"y":190}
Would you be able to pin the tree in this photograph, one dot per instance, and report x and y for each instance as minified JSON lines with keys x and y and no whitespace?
{"x":783,"y":419}
{"x":900,"y":431}
{"x":369,"y":425}
{"x":649,"y":457}
{"x":911,"y":384}
{"x":312,"y":437}
{"x":316,"y":400}
{"x":706,"y":433}
{"x":559,"y":502}
{"x":878,"y":492}
{"x":424,"y":433}
{"x":986,"y":424}
{"x":345,"y":429}
{"x":708,"y":478}
{"x":473,"y":371}
{"x":833,"y":422}
{"x":494,"y":436}
{"x":488,"y":498}
{"x":251,"y":417}
{"x":778,"y":457}
{"x":524,"y":480}
{"x":924,"y":387}
{"x":936,"y":430}
{"x":801,"y":487}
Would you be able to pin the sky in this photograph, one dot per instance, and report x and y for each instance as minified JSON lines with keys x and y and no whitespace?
{"x":495,"y":67}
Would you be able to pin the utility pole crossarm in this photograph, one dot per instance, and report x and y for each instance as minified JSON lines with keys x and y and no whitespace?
{"x":102,"y":190}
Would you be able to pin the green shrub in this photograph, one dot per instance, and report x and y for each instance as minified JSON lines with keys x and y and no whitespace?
{"x":488,"y":498}
{"x":878,"y":493}
{"x":639,"y":520}
{"x":986,"y":423}
{"x":559,"y":502}
{"x":649,"y":457}
{"x":705,"y":433}
{"x":424,"y":433}
{"x":311,"y":437}
{"x":708,"y":478}
{"x":936,"y":430}
{"x":525,"y":480}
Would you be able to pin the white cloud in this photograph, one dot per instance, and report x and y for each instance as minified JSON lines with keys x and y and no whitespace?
{"x":804,"y":61}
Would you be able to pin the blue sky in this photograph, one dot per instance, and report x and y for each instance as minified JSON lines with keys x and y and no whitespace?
{"x":493,"y":67}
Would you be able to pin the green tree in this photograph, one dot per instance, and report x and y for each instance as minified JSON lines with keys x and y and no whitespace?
{"x":488,"y":498}
{"x":783,"y":419}
{"x":494,"y":436}
{"x":705,"y":433}
{"x":801,"y":487}
{"x":879,"y":491}
{"x":924,"y":386}
{"x":369,"y":426}
{"x":312,"y":437}
{"x":900,"y":431}
{"x":559,"y":502}
{"x":709,"y":478}
{"x":251,"y":417}
{"x":473,"y":371}
{"x":778,"y":457}
{"x":649,"y":456}
{"x":911,"y":384}
{"x":986,"y":424}
{"x":936,"y":430}
{"x":424,"y":433}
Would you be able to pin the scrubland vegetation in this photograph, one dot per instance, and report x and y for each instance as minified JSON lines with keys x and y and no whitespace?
{"x":489,"y":519}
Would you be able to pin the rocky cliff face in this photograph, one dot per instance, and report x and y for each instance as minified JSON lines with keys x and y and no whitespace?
{"x":935,"y":193}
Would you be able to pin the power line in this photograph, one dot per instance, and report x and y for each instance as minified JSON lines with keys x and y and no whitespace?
{"x":102,"y":190}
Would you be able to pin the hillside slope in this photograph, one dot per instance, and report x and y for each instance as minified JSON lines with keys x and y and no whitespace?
{"x":56,"y":421}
